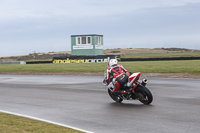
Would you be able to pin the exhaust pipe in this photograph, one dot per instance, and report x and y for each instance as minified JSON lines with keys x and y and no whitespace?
{"x":144,"y":82}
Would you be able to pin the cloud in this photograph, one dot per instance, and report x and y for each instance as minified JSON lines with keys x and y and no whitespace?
{"x":43,"y":25}
{"x":41,"y":9}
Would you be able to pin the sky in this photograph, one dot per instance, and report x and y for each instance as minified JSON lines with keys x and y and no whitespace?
{"x":42,"y":26}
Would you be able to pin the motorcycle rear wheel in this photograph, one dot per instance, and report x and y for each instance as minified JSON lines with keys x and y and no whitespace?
{"x":145,"y":95}
{"x":115,"y":97}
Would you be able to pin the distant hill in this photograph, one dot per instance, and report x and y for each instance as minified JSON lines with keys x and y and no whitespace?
{"x":130,"y":51}
{"x":146,"y":51}
{"x":34,"y":56}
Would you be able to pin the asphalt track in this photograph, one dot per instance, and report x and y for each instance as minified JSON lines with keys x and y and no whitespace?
{"x":83,"y":102}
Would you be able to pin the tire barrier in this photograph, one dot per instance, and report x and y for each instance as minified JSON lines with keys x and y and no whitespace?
{"x":84,"y":59}
{"x":160,"y":59}
{"x":38,"y":62}
{"x":98,"y":59}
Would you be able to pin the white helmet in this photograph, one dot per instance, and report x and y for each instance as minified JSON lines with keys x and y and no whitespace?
{"x":112,"y":62}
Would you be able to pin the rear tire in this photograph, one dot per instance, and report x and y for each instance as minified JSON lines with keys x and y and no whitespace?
{"x":145,"y":95}
{"x":115,"y":97}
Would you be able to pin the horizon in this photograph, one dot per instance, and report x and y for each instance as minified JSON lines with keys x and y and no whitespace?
{"x":103,"y":49}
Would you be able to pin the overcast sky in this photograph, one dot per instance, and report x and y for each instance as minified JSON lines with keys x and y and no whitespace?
{"x":47,"y":25}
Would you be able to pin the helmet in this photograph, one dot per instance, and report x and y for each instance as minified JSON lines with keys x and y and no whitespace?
{"x":112,"y":62}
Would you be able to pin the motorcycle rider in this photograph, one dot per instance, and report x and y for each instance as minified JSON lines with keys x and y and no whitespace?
{"x":116,"y":74}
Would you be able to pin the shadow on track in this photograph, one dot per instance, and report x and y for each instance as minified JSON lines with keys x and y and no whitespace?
{"x":129,"y":105}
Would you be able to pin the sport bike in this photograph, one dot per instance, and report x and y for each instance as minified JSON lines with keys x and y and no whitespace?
{"x":132,"y":90}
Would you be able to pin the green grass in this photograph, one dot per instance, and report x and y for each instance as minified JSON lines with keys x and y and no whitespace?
{"x":16,"y":124}
{"x":72,"y":67}
{"x":187,"y":66}
{"x":162,"y":55}
{"x":191,"y":66}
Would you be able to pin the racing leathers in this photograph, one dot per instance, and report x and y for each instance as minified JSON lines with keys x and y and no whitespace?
{"x":117,"y":75}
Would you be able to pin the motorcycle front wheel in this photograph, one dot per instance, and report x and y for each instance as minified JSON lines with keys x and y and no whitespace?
{"x":115,"y":97}
{"x":145,"y":95}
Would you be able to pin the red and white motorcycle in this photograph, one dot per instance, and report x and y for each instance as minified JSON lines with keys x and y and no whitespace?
{"x":133,"y":89}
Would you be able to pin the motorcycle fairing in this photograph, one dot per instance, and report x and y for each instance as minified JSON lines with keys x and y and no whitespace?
{"x":133,"y":78}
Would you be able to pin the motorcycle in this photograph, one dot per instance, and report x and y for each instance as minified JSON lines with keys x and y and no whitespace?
{"x":132,"y":90}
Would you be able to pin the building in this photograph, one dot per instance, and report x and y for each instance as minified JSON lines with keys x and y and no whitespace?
{"x":87,"y":45}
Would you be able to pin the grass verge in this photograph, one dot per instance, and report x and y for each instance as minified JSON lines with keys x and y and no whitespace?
{"x":15,"y":124}
{"x":186,"y":66}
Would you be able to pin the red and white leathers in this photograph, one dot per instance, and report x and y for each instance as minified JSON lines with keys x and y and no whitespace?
{"x":113,"y":73}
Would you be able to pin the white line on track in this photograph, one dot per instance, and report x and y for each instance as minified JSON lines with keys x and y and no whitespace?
{"x":43,"y":120}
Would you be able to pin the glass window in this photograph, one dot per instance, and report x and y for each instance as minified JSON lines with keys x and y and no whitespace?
{"x":89,"y":40}
{"x":98,"y":40}
{"x":83,"y":40}
{"x":79,"y":40}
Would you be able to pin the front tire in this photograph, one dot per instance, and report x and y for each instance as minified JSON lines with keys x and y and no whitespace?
{"x":114,"y":97}
{"x":145,"y":95}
